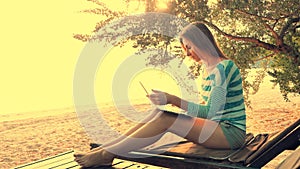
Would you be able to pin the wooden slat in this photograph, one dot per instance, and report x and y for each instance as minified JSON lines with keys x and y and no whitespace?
{"x":50,"y":162}
{"x":66,"y":161}
{"x":71,"y":164}
{"x":132,"y":165}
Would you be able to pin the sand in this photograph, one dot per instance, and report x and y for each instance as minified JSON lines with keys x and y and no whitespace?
{"x":32,"y":136}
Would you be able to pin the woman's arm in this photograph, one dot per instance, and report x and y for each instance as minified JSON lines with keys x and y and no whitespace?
{"x":178,"y":102}
{"x":162,"y":98}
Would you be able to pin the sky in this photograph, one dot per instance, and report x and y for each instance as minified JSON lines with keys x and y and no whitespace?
{"x":38,"y":53}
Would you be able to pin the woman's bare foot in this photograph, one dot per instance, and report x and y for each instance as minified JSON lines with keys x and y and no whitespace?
{"x":94,"y":158}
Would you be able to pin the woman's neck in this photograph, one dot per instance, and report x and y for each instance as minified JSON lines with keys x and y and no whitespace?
{"x":212,"y":62}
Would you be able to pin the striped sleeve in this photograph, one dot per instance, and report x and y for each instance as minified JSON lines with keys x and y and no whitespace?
{"x":197,"y":110}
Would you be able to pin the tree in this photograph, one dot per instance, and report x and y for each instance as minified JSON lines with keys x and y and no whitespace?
{"x":253,"y":33}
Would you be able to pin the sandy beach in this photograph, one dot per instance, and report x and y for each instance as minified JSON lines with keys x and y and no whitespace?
{"x":32,"y":136}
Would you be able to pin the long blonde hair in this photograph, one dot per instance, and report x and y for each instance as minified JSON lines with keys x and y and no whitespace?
{"x":201,"y":36}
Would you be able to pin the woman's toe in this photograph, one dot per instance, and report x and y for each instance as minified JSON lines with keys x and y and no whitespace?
{"x":77,"y":160}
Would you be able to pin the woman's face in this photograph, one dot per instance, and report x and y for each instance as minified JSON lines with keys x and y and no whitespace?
{"x":191,"y":50}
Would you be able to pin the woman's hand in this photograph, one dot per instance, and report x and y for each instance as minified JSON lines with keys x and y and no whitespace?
{"x":162,"y":98}
{"x":159,"y":98}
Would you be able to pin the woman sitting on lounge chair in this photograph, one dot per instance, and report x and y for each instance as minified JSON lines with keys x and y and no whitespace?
{"x":218,"y":122}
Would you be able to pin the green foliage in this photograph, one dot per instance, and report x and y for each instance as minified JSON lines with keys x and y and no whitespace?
{"x":251,"y":32}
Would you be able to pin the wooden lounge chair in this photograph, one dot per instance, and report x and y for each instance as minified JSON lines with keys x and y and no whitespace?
{"x":256,"y":152}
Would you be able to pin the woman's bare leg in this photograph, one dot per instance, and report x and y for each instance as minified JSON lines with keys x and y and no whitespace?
{"x":155,"y":113}
{"x":198,"y":130}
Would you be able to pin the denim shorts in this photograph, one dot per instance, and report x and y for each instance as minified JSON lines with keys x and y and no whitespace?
{"x":235,"y":136}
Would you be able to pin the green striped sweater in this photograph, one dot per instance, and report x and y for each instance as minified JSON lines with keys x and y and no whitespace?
{"x":222,"y":93}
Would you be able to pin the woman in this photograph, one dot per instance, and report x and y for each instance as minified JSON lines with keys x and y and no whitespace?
{"x":218,"y":122}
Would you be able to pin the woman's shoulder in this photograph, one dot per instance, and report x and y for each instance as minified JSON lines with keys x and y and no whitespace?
{"x":224,"y":67}
{"x":228,"y":68}
{"x":227,"y":65}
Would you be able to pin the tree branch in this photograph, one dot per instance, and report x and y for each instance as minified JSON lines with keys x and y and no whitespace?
{"x":267,"y":26}
{"x":245,"y":39}
{"x":262,"y":17}
{"x":287,"y":25}
{"x":268,"y":56}
{"x":268,"y":18}
{"x":279,"y":40}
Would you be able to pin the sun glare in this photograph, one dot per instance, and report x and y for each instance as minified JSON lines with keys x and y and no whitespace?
{"x":162,"y":4}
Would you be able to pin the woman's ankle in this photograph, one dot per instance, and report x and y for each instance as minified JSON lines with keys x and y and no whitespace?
{"x":108,"y":154}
